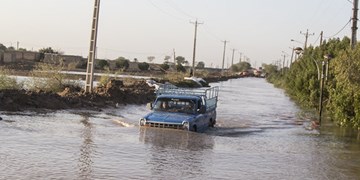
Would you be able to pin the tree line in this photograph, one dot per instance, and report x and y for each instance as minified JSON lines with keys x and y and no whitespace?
{"x":341,"y":95}
{"x":122,"y":62}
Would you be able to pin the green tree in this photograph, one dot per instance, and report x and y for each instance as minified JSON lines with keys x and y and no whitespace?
{"x":143,"y":66}
{"x":239,"y":67}
{"x":269,"y":68}
{"x":102,"y":64}
{"x":151,"y":58}
{"x":166,"y":59}
{"x":341,"y":95}
{"x":122,"y":63}
{"x":46,"y":50}
{"x":180,"y":60}
{"x":2,"y":47}
{"x":200,"y":65}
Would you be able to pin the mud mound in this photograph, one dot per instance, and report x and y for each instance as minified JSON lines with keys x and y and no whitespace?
{"x":71,"y":97}
{"x":136,"y":93}
{"x":16,"y":100}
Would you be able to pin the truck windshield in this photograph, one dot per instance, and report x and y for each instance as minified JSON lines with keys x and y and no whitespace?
{"x":175,"y":105}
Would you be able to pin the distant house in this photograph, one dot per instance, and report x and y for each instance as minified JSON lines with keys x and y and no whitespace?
{"x":19,"y":56}
{"x":59,"y":58}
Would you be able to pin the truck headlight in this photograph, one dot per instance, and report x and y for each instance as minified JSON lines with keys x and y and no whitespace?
{"x":185,"y":125}
{"x":142,"y":122}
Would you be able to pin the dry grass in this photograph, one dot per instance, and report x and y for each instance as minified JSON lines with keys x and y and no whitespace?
{"x":48,"y":77}
{"x":174,"y":76}
{"x":7,"y":82}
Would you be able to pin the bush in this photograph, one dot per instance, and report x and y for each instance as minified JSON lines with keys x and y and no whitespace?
{"x":102,"y":64}
{"x":164,"y":66}
{"x":341,"y":92}
{"x":7,"y":82}
{"x":143,"y":66}
{"x":200,"y":65}
{"x":180,"y":68}
{"x":239,"y":67}
{"x":48,"y":78}
{"x":82,"y":65}
{"x":122,"y":63}
{"x":104,"y":80}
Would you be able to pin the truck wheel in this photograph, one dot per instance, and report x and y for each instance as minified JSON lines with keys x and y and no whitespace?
{"x":195,"y":128}
{"x":212,"y":123}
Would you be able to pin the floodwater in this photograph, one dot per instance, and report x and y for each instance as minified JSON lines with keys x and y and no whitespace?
{"x":260,"y":134}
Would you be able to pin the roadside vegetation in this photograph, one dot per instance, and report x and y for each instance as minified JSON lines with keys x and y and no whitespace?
{"x":341,"y":87}
{"x":49,"y":78}
{"x":49,"y":88}
{"x":7,"y":82}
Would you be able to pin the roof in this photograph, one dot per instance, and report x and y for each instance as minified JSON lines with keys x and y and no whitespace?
{"x":179,"y":96}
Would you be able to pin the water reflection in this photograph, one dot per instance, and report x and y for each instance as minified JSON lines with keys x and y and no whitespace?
{"x":87,"y":149}
{"x":176,"y":153}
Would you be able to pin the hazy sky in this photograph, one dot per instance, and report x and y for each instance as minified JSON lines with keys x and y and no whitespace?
{"x":260,"y":29}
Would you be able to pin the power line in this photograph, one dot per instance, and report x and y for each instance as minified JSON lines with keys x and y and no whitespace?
{"x":172,"y":4}
{"x":213,"y":35}
{"x":317,"y":39}
{"x":163,"y":11}
{"x":132,"y":52}
{"x":339,"y":30}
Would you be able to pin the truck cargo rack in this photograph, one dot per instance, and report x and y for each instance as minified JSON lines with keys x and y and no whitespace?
{"x":210,"y":94}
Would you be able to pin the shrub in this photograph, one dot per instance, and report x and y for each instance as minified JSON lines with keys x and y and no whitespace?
{"x":102,"y":64}
{"x":122,"y":63}
{"x":180,"y":68}
{"x":164,"y":66}
{"x":143,"y":66}
{"x":7,"y":82}
{"x":48,"y":78}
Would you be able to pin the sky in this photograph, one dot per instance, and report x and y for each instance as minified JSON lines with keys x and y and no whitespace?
{"x":261,"y":30}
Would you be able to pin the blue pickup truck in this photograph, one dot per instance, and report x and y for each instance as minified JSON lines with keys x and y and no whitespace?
{"x":180,"y":108}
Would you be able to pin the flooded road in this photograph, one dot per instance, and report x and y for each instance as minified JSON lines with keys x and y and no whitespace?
{"x":259,"y":135}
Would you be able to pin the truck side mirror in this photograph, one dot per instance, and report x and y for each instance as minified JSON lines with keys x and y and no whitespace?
{"x":202,"y":109}
{"x":149,"y":106}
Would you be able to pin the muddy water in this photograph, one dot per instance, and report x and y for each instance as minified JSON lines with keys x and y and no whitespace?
{"x":259,"y":135}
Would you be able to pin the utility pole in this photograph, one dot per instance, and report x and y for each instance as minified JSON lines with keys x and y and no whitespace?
{"x":240,"y":57}
{"x":306,"y":37}
{"x":222,"y":67}
{"x":292,"y":55}
{"x":92,"y":52}
{"x":174,"y":59}
{"x":194,"y":50}
{"x":354,"y":24}
{"x":232,"y":58}
{"x":174,"y":56}
{"x":321,"y":37}
{"x":283,"y":66}
{"x":17,"y":45}
{"x":321,"y":90}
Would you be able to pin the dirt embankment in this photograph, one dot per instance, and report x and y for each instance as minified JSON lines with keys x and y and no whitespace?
{"x":110,"y":95}
{"x":113,"y":93}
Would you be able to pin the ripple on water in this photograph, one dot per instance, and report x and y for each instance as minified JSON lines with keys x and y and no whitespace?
{"x":258,"y":136}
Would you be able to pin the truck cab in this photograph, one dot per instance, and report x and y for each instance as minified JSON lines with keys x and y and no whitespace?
{"x":186,"y":109}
